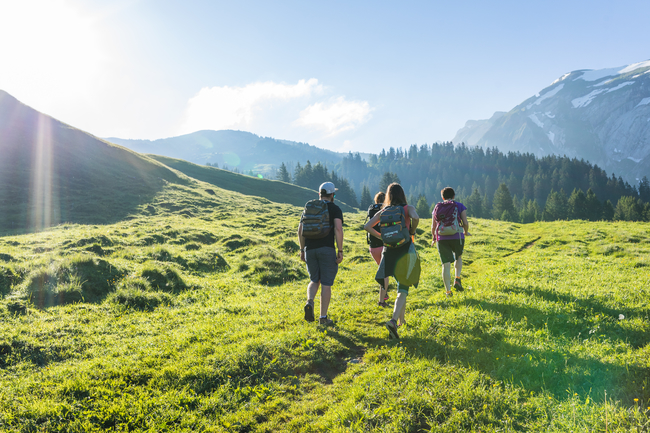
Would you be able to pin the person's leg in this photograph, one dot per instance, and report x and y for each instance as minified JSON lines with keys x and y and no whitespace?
{"x":382,"y":290}
{"x":458,"y":266}
{"x":325,"y":297}
{"x":312,"y":290}
{"x":398,"y":311}
{"x":458,"y":263}
{"x":329,"y":269}
{"x":314,"y":283}
{"x":446,"y":276}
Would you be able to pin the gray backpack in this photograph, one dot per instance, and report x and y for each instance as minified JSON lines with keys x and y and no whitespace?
{"x":315,"y":219}
{"x":392,"y":223}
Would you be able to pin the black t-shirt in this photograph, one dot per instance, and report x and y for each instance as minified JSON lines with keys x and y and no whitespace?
{"x":373,"y":241}
{"x":327,"y":241}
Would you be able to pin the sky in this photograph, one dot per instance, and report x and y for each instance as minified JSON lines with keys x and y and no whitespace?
{"x":340,"y":75}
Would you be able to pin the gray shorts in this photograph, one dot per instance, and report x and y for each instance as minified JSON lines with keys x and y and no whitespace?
{"x":321,"y":265}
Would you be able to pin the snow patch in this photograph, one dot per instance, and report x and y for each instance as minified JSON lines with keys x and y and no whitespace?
{"x":599,"y":74}
{"x":644,"y":101}
{"x":534,"y":118}
{"x":548,"y":114}
{"x":546,"y":95}
{"x":620,"y":86}
{"x":562,"y":78}
{"x":551,"y":137}
{"x":586,"y":100}
{"x":634,"y":159}
{"x":635,"y":66}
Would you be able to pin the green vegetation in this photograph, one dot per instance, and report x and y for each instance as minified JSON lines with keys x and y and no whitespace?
{"x":276,"y":191}
{"x":188,"y":317}
{"x":479,"y":173}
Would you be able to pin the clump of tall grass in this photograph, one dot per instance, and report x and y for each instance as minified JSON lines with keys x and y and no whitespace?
{"x":81,"y":277}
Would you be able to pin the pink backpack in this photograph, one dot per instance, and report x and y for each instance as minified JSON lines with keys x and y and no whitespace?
{"x":446,"y":213}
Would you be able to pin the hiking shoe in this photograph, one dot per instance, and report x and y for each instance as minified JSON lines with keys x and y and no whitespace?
{"x":325,"y":321}
{"x":383,"y":304}
{"x":309,"y":312}
{"x":449,"y":294}
{"x":391,"y":325}
{"x":457,"y":285}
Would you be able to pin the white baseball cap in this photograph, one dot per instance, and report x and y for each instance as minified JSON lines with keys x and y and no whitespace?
{"x":328,"y":187}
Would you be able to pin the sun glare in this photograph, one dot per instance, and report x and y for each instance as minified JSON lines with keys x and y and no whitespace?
{"x":43,"y":205}
{"x":48,"y":45}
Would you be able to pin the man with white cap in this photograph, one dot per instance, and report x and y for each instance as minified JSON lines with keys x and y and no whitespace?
{"x":321,"y":256}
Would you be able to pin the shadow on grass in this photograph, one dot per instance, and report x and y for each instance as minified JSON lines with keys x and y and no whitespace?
{"x":568,"y":352}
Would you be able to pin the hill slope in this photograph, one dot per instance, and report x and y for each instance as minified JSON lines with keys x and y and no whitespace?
{"x":236,"y":149}
{"x":51,"y":173}
{"x":273,"y":190}
{"x":602,"y":116}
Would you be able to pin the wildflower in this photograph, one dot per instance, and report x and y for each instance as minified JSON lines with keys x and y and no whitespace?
{"x":636,"y":399}
{"x":621,"y":317}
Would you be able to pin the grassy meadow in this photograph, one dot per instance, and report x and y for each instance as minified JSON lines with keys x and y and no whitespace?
{"x":187,"y":316}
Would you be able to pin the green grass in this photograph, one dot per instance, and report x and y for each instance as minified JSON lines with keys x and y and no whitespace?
{"x":188,"y":317}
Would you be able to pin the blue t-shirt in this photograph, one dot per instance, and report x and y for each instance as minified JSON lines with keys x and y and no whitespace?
{"x":461,"y":235}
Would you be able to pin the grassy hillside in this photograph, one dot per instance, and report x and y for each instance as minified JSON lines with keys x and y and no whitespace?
{"x":51,"y":173}
{"x":190,"y":319}
{"x":276,"y":191}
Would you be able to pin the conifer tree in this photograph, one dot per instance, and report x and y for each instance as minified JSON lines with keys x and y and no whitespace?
{"x":366,"y":200}
{"x":608,"y":211}
{"x":474,"y":204}
{"x":502,"y":204}
{"x":556,"y":206}
{"x":594,"y":209}
{"x":422,"y":208}
{"x":387,"y":179}
{"x":283,"y":174}
{"x":644,"y":189}
{"x":577,"y":205}
{"x":628,"y":209}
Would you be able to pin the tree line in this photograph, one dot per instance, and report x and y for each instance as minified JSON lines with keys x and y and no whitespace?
{"x":540,"y":188}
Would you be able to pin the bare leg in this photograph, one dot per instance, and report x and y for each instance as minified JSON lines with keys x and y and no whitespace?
{"x":312,"y":289}
{"x":400,"y":307}
{"x":325,"y":296}
{"x":446,"y":277}
{"x":458,"y":266}
{"x":383,"y":290}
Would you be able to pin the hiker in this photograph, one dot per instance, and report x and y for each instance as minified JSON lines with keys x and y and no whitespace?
{"x":449,"y":227}
{"x":398,"y":221}
{"x":376,"y":246}
{"x":320,"y":225}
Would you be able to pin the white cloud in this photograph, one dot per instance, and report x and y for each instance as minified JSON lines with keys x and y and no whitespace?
{"x":335,"y":117}
{"x":240,"y":107}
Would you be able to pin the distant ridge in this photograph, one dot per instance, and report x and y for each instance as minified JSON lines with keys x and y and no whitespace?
{"x":236,"y":149}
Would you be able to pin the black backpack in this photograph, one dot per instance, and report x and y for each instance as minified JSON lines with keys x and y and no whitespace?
{"x":370,"y":239}
{"x":315,"y":219}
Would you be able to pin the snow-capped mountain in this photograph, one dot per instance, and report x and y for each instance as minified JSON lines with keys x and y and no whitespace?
{"x":601,"y":115}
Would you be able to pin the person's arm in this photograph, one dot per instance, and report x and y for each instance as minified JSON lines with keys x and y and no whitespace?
{"x":463,"y":218}
{"x":338,"y":235}
{"x":301,"y":241}
{"x":434,"y":230}
{"x":370,"y":225}
{"x":415,"y":219}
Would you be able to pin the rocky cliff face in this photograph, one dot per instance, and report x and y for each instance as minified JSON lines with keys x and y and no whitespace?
{"x":602,"y":116}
